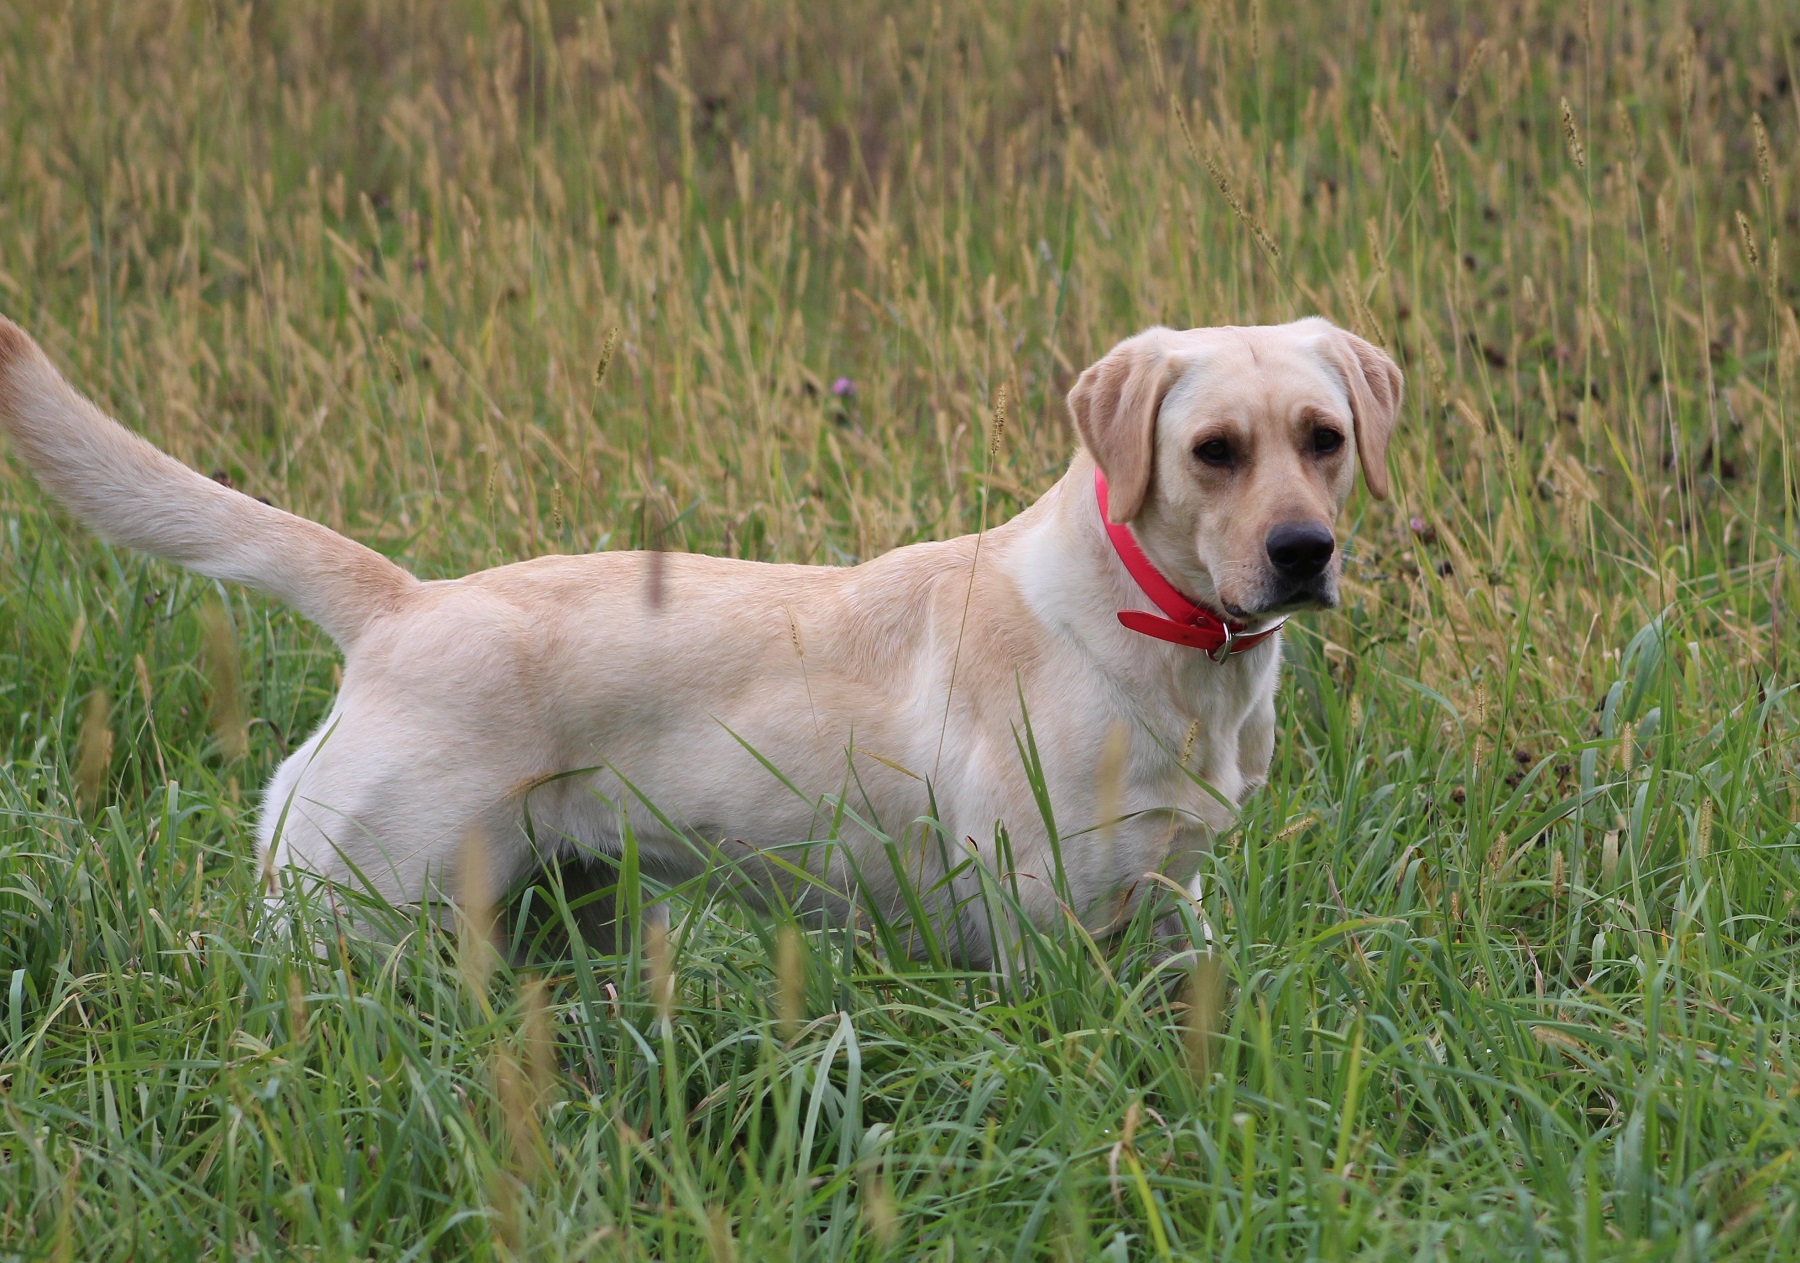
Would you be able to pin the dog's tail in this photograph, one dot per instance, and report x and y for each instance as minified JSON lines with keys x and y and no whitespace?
{"x":131,"y":493}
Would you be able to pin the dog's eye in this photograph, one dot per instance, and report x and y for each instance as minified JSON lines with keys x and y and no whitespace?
{"x":1326,"y":441}
{"x":1213,"y":452}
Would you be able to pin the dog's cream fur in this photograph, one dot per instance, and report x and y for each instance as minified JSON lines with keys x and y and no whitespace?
{"x":735,"y":712}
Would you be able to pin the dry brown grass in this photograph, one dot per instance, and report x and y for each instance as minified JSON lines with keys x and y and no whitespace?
{"x":367,"y":259}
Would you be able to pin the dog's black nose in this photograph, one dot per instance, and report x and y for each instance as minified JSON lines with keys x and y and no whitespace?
{"x":1300,"y":550}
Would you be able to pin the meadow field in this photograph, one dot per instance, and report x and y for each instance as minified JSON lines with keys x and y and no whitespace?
{"x":1508,"y":958}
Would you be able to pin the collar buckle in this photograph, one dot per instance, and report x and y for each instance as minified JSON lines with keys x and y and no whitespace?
{"x":1232,"y":636}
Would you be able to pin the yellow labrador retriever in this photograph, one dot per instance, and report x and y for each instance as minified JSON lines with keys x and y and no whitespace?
{"x":859,"y":730}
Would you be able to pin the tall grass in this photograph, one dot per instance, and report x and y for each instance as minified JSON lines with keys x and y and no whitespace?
{"x":1507,"y":949}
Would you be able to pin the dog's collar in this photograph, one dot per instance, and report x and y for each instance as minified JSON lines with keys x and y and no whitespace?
{"x":1187,"y":623}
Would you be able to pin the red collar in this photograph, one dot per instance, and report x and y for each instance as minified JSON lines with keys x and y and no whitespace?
{"x":1188,"y":624}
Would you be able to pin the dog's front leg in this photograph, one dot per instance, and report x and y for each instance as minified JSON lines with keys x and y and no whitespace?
{"x":1171,"y":931}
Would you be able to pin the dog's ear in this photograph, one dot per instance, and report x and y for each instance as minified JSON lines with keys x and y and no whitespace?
{"x":1374,"y":383}
{"x":1114,"y":403}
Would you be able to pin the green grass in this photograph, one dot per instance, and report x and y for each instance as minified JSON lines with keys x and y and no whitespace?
{"x":1508,"y":947}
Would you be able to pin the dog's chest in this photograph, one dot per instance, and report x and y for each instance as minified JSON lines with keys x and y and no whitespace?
{"x":1182,"y":778}
{"x":1204,"y":746}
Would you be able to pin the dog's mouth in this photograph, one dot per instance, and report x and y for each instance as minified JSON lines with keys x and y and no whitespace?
{"x":1319,"y":594}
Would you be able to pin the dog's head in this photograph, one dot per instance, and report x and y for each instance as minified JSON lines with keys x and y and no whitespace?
{"x":1231,"y":451}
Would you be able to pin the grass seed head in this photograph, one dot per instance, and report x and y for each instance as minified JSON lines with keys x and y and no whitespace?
{"x":1440,"y":177}
{"x":62,"y":1247}
{"x":1109,"y":778}
{"x":719,"y":1241}
{"x":391,"y":358}
{"x":503,"y":1201}
{"x":1471,"y":68}
{"x":890,"y":48}
{"x":677,"y":56}
{"x":1187,"y":741}
{"x":1378,"y":256}
{"x":1222,"y":182}
{"x":1684,"y":73}
{"x":93,"y":750}
{"x":878,"y":1210}
{"x":1497,"y":855}
{"x":475,"y":913}
{"x":1362,"y":316}
{"x":606,"y":356}
{"x":1627,"y":129}
{"x":1263,"y":239}
{"x":1759,"y":134}
{"x":1747,"y":237}
{"x":790,"y":980}
{"x":141,"y":669}
{"x":1572,"y":137}
{"x":997,"y":423}
{"x":659,"y":966}
{"x":296,"y":1007}
{"x":1199,"y":1027}
{"x":519,"y":1127}
{"x":654,"y":564}
{"x":1437,"y":374}
{"x":1385,"y":131}
{"x":1193,"y":147}
{"x":1073,"y":1241}
{"x":1152,"y":47}
{"x":1298,"y":825}
{"x":539,"y":1040}
{"x":224,"y":681}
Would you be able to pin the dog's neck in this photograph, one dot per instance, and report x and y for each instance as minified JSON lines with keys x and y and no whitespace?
{"x":1072,"y":577}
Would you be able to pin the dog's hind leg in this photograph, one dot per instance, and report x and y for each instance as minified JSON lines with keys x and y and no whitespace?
{"x":350,"y":830}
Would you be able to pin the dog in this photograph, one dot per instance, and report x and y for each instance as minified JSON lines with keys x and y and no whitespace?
{"x":872,"y":736}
